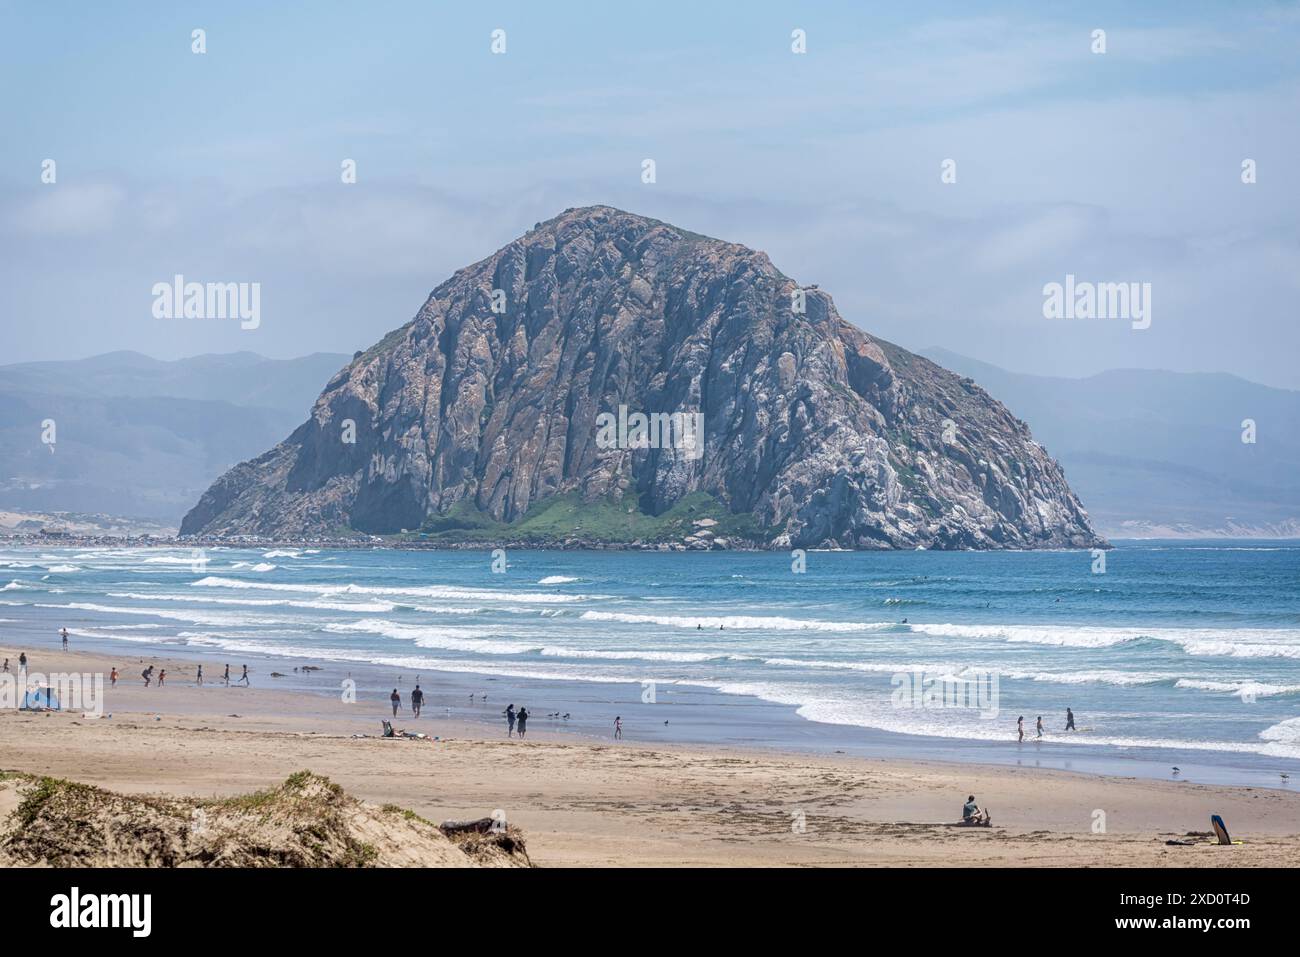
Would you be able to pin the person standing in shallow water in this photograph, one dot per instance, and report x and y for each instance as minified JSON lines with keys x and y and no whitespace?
{"x":510,"y":720}
{"x":417,"y":701}
{"x":1020,"y":728}
{"x":523,"y":721}
{"x":1069,"y":720}
{"x":618,"y":728}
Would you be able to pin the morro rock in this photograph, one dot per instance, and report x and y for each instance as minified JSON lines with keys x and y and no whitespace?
{"x":480,"y":419}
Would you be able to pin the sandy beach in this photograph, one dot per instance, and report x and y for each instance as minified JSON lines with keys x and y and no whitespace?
{"x":588,"y":803}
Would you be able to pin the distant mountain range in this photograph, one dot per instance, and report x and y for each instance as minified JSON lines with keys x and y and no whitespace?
{"x":1149,"y":453}
{"x":141,"y":437}
{"x":1160,"y":454}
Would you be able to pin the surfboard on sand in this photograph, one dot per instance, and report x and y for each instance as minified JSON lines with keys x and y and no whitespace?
{"x":1220,"y":829}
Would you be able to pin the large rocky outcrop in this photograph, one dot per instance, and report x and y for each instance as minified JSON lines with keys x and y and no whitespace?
{"x":822,"y":434}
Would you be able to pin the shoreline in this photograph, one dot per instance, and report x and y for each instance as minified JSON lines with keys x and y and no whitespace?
{"x":758,"y":725}
{"x":582,"y":801}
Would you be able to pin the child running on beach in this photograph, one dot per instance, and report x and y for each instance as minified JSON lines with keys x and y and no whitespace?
{"x":244,"y":679}
{"x":162,"y":676}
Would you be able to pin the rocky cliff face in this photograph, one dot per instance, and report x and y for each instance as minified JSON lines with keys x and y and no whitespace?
{"x":490,"y":404}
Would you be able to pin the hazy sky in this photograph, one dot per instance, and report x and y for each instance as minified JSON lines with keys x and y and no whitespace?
{"x":225,"y":166}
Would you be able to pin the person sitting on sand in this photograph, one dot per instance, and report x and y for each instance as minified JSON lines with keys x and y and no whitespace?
{"x":396,"y":700}
{"x":417,"y":701}
{"x":971,"y":814}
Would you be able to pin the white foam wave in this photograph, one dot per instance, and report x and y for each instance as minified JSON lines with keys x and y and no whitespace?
{"x":735,"y":622}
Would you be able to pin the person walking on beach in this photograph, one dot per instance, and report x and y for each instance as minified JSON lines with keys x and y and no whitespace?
{"x":146,"y":675}
{"x":6,"y":671}
{"x":200,"y":678}
{"x":1040,"y":725}
{"x":523,"y":720}
{"x":618,"y":728}
{"x":1020,"y":727}
{"x":244,"y":679}
{"x":22,"y":661}
{"x":64,"y":634}
{"x":510,"y":720}
{"x":417,"y":701}
{"x":112,"y":677}
{"x":227,"y":676}
{"x":1069,"y":720}
{"x":396,"y":699}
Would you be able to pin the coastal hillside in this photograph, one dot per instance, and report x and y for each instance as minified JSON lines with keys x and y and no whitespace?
{"x":141,"y":438}
{"x":1160,"y":454}
{"x":305,"y":822}
{"x":488,"y":417}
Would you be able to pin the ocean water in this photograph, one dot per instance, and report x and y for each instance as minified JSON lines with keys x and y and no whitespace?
{"x":1179,"y":652}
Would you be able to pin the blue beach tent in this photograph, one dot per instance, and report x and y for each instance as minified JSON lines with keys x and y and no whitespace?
{"x":38,"y":699}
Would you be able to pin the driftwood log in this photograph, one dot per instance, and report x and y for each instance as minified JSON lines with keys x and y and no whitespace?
{"x":482,"y":825}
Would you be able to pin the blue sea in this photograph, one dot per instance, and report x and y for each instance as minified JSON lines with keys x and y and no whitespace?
{"x":1181,"y":654}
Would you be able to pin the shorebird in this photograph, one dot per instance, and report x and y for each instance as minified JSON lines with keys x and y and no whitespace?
{"x":1175,"y":770}
{"x":1285,"y":776}
{"x":566,"y":717}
